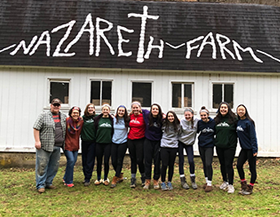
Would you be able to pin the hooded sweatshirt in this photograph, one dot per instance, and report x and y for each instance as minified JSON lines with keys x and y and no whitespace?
{"x":188,"y":132}
{"x":247,"y":135}
{"x":154,"y":132}
{"x":226,"y":136}
{"x":207,"y":133}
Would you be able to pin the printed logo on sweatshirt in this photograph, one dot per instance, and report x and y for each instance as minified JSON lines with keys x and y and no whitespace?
{"x":90,"y":121}
{"x":105,"y":125}
{"x":239,"y":128}
{"x":156,"y":125}
{"x":135,"y":121}
{"x":207,"y":130}
{"x":224,"y":124}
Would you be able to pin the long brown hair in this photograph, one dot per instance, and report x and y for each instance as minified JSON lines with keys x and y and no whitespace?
{"x":231,"y":116}
{"x":86,"y":109}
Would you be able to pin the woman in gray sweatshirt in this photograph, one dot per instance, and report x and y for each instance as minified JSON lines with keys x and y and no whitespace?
{"x":186,"y":140}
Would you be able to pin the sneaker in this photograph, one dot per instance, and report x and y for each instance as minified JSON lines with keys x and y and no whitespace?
{"x":156,"y":184}
{"x":184,"y":183}
{"x":86,"y":184}
{"x":230,"y":189}
{"x":106,"y":182}
{"x":224,"y":186}
{"x":50,"y":187}
{"x":163,"y":186}
{"x":208,"y":188}
{"x":169,"y":185}
{"x":98,"y":182}
{"x":41,"y":190}
{"x":194,"y":185}
{"x":147,"y":184}
{"x":70,"y":185}
{"x":248,"y":191}
{"x":133,"y":182}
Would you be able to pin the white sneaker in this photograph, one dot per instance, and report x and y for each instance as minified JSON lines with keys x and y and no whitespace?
{"x":230,"y":189}
{"x":224,"y":186}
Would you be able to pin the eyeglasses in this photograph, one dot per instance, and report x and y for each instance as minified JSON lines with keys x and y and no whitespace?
{"x":56,"y":104}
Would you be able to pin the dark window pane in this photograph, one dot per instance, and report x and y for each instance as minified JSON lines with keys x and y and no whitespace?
{"x":95,"y":92}
{"x":142,"y":92}
{"x":59,"y":90}
{"x":217,"y":95}
{"x":228,"y":95}
{"x":176,"y":96}
{"x":187,"y":95}
{"x":106,"y":92}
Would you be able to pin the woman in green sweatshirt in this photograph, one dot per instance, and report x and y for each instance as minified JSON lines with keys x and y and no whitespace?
{"x":226,"y":142}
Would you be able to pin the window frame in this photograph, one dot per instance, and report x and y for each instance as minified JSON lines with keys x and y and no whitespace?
{"x":223,"y":92}
{"x":62,"y":80}
{"x":182,"y":93}
{"x":142,"y":81}
{"x":100,"y":80}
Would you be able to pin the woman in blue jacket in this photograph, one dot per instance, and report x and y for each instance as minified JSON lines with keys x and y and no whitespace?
{"x":249,"y":148}
{"x":206,"y":128}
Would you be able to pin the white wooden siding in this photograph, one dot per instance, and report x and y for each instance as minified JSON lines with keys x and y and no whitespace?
{"x":24,"y":95}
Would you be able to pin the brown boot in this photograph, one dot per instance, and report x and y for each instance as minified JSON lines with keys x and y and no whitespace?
{"x":249,"y":190}
{"x":147,"y":184}
{"x":120,"y":178}
{"x":243,"y":187}
{"x":208,"y":188}
{"x":114,"y":182}
{"x":156,"y":185}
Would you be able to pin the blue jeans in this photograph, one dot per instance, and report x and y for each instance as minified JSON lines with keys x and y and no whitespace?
{"x":71,"y":160}
{"x":47,"y":164}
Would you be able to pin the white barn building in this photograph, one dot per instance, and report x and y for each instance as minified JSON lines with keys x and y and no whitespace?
{"x":176,"y":54}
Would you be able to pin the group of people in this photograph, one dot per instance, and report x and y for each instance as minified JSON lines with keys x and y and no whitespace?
{"x":151,"y":137}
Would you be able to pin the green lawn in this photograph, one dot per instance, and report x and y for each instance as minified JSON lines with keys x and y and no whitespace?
{"x":20,"y":198}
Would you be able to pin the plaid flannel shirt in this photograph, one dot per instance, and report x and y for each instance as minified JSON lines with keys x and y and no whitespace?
{"x":45,"y":124}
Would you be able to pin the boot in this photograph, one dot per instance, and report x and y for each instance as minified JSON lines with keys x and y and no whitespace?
{"x":133,"y":183}
{"x":248,"y":191}
{"x":147,"y":184}
{"x":120,"y":178}
{"x":156,"y":185}
{"x":194,"y":185}
{"x":114,"y":182}
{"x":184,"y":183}
{"x":143,"y":179}
{"x":243,"y":187}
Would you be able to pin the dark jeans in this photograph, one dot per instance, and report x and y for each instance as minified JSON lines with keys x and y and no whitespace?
{"x":117,"y":156}
{"x":189,"y":150}
{"x":88,"y":158}
{"x":226,"y":157}
{"x":206,"y":155}
{"x":151,"y":151}
{"x":103,"y":150}
{"x":168,"y":156}
{"x":136,"y":153}
{"x":244,"y":155}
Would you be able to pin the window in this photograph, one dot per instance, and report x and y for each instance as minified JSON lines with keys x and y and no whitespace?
{"x":182,"y":95}
{"x":60,"y":90}
{"x":142,"y":92}
{"x":222,"y":93}
{"x":101,"y":92}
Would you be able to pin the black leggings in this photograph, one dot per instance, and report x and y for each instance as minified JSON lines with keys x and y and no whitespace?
{"x":151,"y":151}
{"x":226,"y":157}
{"x":168,"y":156}
{"x":103,"y":150}
{"x":244,"y":155}
{"x":117,"y":156}
{"x":136,"y":153}
{"x":206,"y":155}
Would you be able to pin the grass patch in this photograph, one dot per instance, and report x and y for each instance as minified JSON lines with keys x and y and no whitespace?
{"x":20,"y":198}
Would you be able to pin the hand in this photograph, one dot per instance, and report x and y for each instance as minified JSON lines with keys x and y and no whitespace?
{"x":38,"y":145}
{"x":163,"y":115}
{"x":255,"y":154}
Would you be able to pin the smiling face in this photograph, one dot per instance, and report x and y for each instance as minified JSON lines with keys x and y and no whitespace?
{"x":224,"y":109}
{"x":136,"y":109}
{"x":204,"y":117}
{"x":155,"y":110}
{"x":121,"y":112}
{"x":105,"y":111}
{"x":188,"y":115}
{"x":91,"y":109}
{"x":170,"y":117}
{"x":75,"y":114}
{"x":241,"y":112}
